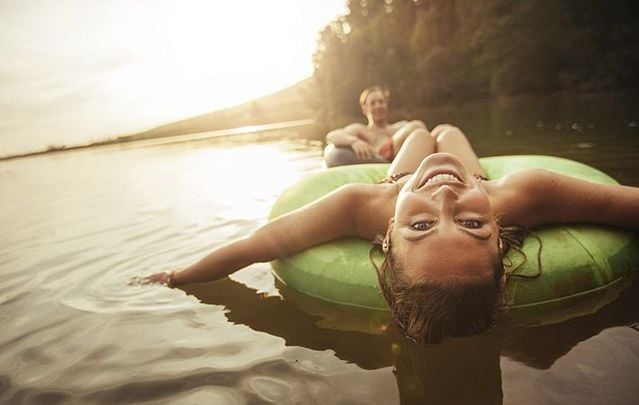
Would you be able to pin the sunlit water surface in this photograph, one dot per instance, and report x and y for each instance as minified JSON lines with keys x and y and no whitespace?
{"x":77,"y":226}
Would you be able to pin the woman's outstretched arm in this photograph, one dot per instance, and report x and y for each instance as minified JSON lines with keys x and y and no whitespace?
{"x":555,"y":198}
{"x":330,"y":217}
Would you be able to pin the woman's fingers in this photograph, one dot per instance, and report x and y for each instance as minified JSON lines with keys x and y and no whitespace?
{"x":157,"y":278}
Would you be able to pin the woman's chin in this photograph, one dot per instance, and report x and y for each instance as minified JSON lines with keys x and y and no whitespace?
{"x":442,"y":159}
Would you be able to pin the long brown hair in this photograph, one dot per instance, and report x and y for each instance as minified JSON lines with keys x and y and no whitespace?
{"x":430,"y":311}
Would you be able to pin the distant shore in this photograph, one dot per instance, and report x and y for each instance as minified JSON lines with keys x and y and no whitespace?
{"x":250,"y":129}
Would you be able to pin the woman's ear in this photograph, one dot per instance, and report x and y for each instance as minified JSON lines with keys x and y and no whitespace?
{"x":386,"y":243}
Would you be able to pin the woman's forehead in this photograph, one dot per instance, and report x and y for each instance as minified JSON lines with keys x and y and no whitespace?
{"x":445,"y":263}
{"x":446,"y":255}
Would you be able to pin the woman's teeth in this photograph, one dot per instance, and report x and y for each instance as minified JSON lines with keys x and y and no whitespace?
{"x":443,"y":177}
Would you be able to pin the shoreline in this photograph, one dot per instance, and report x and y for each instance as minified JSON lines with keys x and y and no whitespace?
{"x":162,"y":140}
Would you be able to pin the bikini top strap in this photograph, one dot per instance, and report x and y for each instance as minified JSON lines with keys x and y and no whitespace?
{"x":393,"y":178}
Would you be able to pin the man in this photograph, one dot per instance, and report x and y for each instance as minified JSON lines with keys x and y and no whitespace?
{"x":377,"y":141}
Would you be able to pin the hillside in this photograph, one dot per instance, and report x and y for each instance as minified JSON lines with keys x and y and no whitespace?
{"x":288,"y":104}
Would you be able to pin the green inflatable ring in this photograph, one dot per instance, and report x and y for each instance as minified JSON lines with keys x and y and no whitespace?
{"x":581,"y":263}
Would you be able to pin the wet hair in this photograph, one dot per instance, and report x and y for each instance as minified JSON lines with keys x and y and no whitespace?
{"x":429,"y":311}
{"x":367,"y":91}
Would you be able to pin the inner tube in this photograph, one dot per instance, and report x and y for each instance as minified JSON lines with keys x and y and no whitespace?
{"x":344,"y":155}
{"x":583,"y":266}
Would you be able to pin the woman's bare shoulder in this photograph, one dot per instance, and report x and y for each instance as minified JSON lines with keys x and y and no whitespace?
{"x":374,"y":197}
{"x":372,"y":206}
{"x":516,"y":198}
{"x":536,"y":197}
{"x":524,"y":181}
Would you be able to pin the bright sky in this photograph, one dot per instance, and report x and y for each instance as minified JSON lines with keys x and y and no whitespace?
{"x":76,"y":71}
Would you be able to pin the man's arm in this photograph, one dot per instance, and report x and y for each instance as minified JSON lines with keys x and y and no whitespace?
{"x":347,"y":136}
{"x":355,"y":137}
{"x":330,"y":217}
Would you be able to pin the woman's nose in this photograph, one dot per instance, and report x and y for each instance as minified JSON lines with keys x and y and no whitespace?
{"x":445,"y":193}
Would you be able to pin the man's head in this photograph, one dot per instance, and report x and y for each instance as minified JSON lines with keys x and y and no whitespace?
{"x":374,"y":104}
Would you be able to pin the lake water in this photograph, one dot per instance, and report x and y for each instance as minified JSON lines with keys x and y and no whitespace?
{"x":76,"y":226}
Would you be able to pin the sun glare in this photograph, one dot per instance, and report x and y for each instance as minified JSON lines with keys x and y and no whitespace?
{"x":115,"y":67}
{"x":216,"y":54}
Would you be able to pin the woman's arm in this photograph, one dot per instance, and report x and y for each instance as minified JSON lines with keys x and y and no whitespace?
{"x":330,"y":217}
{"x":555,"y":198}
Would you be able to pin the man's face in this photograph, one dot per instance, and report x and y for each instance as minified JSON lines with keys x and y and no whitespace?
{"x":376,"y":108}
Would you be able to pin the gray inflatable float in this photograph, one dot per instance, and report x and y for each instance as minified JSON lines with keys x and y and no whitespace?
{"x":344,"y":155}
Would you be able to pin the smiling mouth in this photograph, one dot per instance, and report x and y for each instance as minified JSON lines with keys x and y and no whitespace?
{"x":437,"y":178}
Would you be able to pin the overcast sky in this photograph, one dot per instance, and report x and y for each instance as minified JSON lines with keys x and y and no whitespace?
{"x":76,"y":71}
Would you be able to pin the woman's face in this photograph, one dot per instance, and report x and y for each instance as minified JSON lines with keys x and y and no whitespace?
{"x":444,"y":225}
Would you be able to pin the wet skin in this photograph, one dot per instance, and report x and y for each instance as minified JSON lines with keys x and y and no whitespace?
{"x":444,"y":224}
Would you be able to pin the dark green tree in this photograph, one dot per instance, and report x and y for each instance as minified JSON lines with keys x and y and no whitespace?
{"x":443,"y":51}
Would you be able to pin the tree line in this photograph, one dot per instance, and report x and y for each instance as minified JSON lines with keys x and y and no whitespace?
{"x":452,"y":51}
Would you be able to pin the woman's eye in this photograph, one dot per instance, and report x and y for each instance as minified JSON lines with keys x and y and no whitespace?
{"x":470,"y":223}
{"x":421,"y":226}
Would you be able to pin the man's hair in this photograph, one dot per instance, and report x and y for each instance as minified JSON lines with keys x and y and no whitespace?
{"x":430,"y":311}
{"x":372,"y":89}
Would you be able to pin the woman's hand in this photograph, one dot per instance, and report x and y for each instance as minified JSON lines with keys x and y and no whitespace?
{"x":166,"y":278}
{"x":363,"y":150}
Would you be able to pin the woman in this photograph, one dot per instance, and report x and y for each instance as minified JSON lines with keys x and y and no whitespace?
{"x":442,"y":226}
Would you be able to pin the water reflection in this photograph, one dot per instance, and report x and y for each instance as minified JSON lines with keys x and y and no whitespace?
{"x":457,"y":371}
{"x":298,"y":327}
{"x":424,"y":373}
{"x":541,"y":346}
